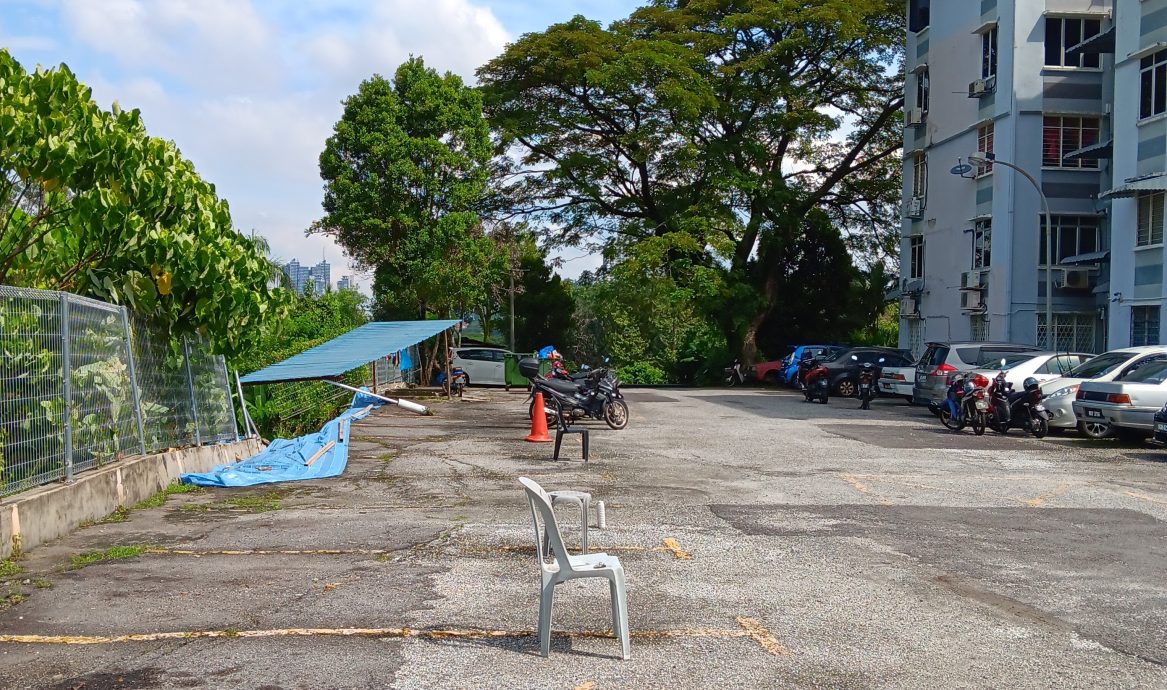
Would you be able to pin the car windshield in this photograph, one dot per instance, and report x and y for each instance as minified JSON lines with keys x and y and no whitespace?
{"x":832,"y":355}
{"x":1152,"y":371}
{"x":1101,"y":365}
{"x":1010,"y":361}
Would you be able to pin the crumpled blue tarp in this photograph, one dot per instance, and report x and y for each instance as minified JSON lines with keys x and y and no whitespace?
{"x":284,"y":459}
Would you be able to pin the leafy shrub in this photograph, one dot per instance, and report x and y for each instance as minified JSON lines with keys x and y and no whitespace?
{"x":641,"y":373}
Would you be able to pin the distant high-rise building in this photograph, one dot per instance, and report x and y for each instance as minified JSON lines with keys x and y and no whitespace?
{"x":320,"y":275}
{"x":345,"y":283}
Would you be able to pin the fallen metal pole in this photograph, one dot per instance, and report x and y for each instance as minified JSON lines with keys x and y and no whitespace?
{"x":404,"y":404}
{"x":251,"y":430}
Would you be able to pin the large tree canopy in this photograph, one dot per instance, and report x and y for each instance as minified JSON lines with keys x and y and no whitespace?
{"x":405,"y":172}
{"x":726,"y":121}
{"x":89,"y":203}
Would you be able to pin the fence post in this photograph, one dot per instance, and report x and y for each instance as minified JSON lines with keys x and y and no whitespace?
{"x":67,"y":385}
{"x":194,"y":407}
{"x":230,"y":403}
{"x":134,"y":380}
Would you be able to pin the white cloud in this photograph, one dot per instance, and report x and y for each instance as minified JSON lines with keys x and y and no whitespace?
{"x":249,"y":93}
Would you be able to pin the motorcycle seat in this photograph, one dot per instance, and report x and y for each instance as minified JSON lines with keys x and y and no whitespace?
{"x":563,"y":387}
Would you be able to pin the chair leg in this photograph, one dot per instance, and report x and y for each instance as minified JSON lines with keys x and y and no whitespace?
{"x":620,"y":611}
{"x":546,"y":601}
{"x":558,"y":443}
{"x":584,"y":510}
{"x":585,"y":446}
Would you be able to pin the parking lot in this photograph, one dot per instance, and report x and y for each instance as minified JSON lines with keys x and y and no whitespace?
{"x":767,"y":542}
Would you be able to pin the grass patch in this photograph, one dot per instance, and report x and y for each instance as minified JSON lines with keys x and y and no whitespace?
{"x":10,"y":568}
{"x":120,"y":515}
{"x":113,"y":553}
{"x":231,"y":632}
{"x":42,"y":583}
{"x":172,"y":489}
{"x":262,"y":503}
{"x":15,"y":595}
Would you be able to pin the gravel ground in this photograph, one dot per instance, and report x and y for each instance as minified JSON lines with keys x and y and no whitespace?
{"x":808,"y":546}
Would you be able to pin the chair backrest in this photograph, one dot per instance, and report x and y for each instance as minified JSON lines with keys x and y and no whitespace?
{"x":543,"y":514}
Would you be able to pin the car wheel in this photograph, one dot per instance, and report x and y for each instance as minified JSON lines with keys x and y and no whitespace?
{"x":845,"y":388}
{"x":771,"y":378}
{"x":1097,"y":430}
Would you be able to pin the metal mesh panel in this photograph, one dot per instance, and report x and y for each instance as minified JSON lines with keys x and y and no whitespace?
{"x":101,"y":404}
{"x":68,"y":399}
{"x":162,"y":386}
{"x":32,"y":426}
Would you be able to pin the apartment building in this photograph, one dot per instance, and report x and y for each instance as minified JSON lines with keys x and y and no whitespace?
{"x":1137,"y":43}
{"x":1030,"y":83}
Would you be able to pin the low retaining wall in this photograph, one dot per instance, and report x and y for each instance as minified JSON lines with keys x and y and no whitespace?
{"x":46,"y":513}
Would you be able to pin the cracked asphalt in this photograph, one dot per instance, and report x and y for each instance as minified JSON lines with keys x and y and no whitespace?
{"x":826,"y":547}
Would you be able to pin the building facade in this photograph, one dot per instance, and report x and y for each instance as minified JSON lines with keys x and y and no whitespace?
{"x":345,"y":283}
{"x":1136,"y":184}
{"x":998,"y":79}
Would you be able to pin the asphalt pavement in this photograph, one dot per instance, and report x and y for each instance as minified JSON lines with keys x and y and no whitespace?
{"x":767,"y":542}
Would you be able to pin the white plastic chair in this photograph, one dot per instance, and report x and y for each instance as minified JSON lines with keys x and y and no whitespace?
{"x":562,"y":568}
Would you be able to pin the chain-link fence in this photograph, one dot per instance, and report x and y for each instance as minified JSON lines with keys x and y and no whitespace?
{"x":81,"y":385}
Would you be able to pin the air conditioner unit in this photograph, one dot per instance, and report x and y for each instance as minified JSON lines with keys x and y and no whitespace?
{"x":909,"y":307}
{"x":1075,"y":279}
{"x":916,"y":117}
{"x":971,"y":300}
{"x":980,"y":87}
{"x":973,"y":280}
{"x":916,"y":207}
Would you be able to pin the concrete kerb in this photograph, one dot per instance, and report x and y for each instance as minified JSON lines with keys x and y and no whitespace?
{"x":47,"y":513}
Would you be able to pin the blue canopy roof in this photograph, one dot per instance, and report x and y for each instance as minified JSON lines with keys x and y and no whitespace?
{"x":349,"y":351}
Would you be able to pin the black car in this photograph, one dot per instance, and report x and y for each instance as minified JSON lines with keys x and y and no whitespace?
{"x":844,"y":366}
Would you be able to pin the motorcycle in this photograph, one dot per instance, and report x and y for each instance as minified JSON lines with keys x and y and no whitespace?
{"x":737,"y":374}
{"x":866,"y":382}
{"x":817,"y":383}
{"x":966,"y":404}
{"x":456,"y":383}
{"x":804,"y":366}
{"x":597,"y":395}
{"x":1026,"y":411}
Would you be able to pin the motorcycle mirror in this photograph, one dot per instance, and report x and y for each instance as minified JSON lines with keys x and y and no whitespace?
{"x":1002,"y":361}
{"x":882,"y":360}
{"x":855,"y":358}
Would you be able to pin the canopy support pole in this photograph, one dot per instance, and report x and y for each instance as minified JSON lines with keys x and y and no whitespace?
{"x":403,"y":404}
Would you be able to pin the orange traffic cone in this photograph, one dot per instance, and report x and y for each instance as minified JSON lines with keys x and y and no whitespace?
{"x":538,"y":421}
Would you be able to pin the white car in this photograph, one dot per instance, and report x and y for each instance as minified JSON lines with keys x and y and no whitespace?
{"x":1059,"y":393}
{"x":1129,"y":402}
{"x":483,"y":365}
{"x":1043,"y":366}
{"x":897,"y":381}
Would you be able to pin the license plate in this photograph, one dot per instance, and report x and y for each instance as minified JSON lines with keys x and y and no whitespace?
{"x":982,"y":405}
{"x":1092,"y":413}
{"x":921,"y":379}
{"x":1160,"y":426}
{"x":1039,"y":408}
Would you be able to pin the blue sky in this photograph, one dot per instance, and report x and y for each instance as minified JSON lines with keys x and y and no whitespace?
{"x":250,"y":89}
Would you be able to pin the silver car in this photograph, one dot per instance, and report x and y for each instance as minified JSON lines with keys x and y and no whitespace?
{"x":1129,"y":402}
{"x":941,"y":360}
{"x":1060,"y":392}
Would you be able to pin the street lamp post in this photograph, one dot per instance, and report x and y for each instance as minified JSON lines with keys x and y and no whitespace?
{"x":989,"y":158}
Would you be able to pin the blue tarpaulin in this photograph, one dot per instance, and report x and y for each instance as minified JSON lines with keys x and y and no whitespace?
{"x":285,"y":459}
{"x":344,"y":353}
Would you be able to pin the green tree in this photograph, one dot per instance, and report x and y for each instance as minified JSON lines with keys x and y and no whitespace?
{"x":89,"y":203}
{"x":543,"y":306}
{"x":405,"y":173}
{"x":725,"y":121}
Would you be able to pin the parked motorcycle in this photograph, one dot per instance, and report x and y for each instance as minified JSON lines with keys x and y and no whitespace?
{"x":456,"y":383}
{"x":817,"y":382}
{"x":805,"y":364}
{"x":737,"y":374}
{"x":866,"y":382}
{"x":596,"y":396}
{"x":966,"y":404}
